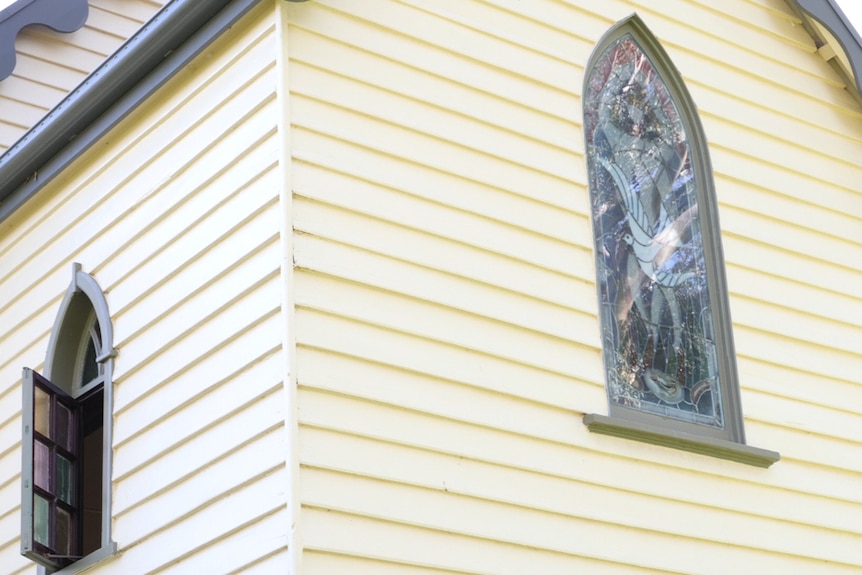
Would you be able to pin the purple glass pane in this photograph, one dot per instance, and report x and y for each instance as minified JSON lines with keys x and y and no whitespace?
{"x":42,"y":412}
{"x":42,"y":465}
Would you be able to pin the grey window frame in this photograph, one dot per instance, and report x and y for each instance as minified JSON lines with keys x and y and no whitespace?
{"x":83,"y":307}
{"x":631,"y":423}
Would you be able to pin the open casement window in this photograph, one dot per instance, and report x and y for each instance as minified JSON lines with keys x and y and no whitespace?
{"x":663,"y":306}
{"x":66,"y":453}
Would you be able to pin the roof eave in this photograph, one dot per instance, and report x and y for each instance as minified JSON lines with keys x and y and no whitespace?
{"x":831,"y":17}
{"x":162,"y":47}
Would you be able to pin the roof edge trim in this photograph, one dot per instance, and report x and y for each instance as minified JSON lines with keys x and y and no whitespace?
{"x":830,"y":15}
{"x":161,"y":48}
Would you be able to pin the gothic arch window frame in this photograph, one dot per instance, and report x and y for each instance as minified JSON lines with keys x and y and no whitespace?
{"x":721,"y":433}
{"x":77,"y":373}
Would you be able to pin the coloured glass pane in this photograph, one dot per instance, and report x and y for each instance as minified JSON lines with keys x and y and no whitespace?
{"x":657,"y":326}
{"x":63,"y":532}
{"x":42,"y":465}
{"x":63,"y":433}
{"x":91,"y":367}
{"x":42,"y":412}
{"x":64,"y":479}
{"x":41,"y":520}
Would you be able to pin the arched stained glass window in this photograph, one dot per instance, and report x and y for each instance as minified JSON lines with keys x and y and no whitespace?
{"x":666,"y":337}
{"x":67,"y":422}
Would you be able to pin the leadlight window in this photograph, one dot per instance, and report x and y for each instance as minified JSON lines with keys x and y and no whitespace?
{"x":666,"y":338}
{"x":66,"y":447}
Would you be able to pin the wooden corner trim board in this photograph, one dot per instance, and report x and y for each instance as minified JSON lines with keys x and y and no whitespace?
{"x":685,"y":441}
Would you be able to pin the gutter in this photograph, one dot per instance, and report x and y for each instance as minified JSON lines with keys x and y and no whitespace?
{"x":162,"y":47}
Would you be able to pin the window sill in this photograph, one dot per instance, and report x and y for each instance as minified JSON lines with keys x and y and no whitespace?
{"x":84,"y":563}
{"x":680,"y":440}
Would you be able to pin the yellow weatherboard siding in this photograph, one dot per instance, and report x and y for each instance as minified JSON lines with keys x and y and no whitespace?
{"x":447,"y":338}
{"x":176,"y":214}
{"x":433,"y":300}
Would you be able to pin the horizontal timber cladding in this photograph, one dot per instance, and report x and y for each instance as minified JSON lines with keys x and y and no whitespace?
{"x":446,"y":315}
{"x":177,"y":215}
{"x":50,"y":64}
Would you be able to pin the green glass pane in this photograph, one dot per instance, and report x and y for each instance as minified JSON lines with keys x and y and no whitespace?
{"x":41,"y":520}
{"x":64,"y":479}
{"x":64,"y":532}
{"x":42,"y":412}
{"x":63,"y":427}
{"x":42,"y":465}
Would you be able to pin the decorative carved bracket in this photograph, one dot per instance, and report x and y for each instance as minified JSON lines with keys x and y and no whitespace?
{"x":60,"y":15}
{"x":830,"y":15}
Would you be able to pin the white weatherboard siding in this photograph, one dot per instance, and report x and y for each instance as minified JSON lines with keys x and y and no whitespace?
{"x":50,"y":64}
{"x":446,"y":324}
{"x":176,"y":214}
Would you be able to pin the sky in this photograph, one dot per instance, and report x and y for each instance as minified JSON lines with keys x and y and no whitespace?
{"x":853,"y":10}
